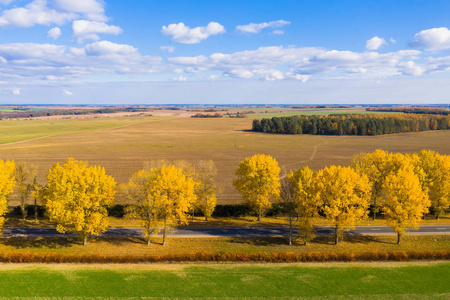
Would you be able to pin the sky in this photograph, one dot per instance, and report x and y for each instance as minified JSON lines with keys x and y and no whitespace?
{"x":224,"y":52}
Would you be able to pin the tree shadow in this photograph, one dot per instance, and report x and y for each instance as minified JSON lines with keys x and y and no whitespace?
{"x":119,"y":241}
{"x":260,"y":241}
{"x":40,"y":242}
{"x":350,"y":239}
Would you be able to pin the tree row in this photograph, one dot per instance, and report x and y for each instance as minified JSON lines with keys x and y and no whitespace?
{"x":369,"y":124}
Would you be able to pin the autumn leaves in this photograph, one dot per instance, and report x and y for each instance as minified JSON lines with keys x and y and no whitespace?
{"x":403,"y":187}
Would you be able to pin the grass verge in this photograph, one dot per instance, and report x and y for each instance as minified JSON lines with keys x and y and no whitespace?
{"x":407,"y":281}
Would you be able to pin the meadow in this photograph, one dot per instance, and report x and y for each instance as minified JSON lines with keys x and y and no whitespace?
{"x":228,"y":281}
{"x":123,"y":145}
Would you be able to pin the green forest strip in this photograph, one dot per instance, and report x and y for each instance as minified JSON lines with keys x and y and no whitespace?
{"x":428,"y":281}
{"x":22,"y":130}
{"x":371,"y":124}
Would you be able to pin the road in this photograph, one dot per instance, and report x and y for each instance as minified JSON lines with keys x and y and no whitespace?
{"x":204,"y":232}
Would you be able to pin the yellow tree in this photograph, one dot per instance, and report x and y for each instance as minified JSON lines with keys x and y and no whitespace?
{"x":306,"y":205}
{"x":436,"y":179}
{"x":375,"y":166}
{"x":143,"y":208}
{"x":404,"y":201}
{"x":173,"y":193}
{"x":77,"y":197}
{"x":258,"y":180}
{"x":344,"y":195}
{"x":6,"y":187}
{"x":23,"y":176}
{"x":205,"y":173}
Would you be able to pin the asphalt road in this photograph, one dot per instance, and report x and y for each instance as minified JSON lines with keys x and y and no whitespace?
{"x":204,"y":232}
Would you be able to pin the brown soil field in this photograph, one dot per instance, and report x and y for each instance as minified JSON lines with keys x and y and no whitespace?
{"x":124,"y":150}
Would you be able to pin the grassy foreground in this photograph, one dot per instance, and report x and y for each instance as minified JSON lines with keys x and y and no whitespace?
{"x":214,"y":281}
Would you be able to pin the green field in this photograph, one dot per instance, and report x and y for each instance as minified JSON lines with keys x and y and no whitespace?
{"x":123,"y":145}
{"x":225,"y":281}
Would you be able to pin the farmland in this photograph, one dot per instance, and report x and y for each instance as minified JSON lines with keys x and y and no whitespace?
{"x":212,"y":281}
{"x":123,"y":145}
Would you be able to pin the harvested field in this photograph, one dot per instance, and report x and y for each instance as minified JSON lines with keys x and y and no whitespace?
{"x":123,"y":150}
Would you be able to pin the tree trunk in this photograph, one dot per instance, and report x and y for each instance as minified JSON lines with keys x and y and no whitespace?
{"x":336,"y":238}
{"x":398,"y":238}
{"x":206,"y":218}
{"x":84,"y":239}
{"x":22,"y":208}
{"x":259,"y":216}
{"x":437,"y":217}
{"x":165,"y":230}
{"x":290,"y":230}
{"x":374,"y":209}
{"x":148,"y":241}
{"x":35,"y":210}
{"x":193,"y":213}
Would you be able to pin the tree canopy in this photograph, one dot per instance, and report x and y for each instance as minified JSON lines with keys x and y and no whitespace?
{"x":7,"y":183}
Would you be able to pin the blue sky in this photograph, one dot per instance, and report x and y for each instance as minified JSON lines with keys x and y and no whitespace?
{"x":224,"y":52}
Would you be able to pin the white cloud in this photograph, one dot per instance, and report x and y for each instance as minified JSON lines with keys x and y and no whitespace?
{"x":375,"y":43}
{"x":180,"y":78}
{"x":432,"y":39}
{"x":15,"y":91}
{"x":87,"y":30}
{"x":184,"y":34}
{"x":168,"y":49}
{"x":54,"y":33}
{"x":257,"y":27}
{"x":67,"y":93}
{"x":393,"y":41}
{"x":90,"y":9}
{"x":278,"y":32}
{"x":411,"y":69}
{"x":108,"y":48}
{"x":35,"y":13}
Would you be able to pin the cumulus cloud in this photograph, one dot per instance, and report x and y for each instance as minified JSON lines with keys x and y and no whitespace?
{"x":67,"y":93}
{"x":87,"y":30}
{"x":168,"y":49}
{"x":257,"y":27}
{"x":283,"y":63}
{"x":432,"y":39}
{"x":89,"y":9}
{"x":35,"y":13}
{"x":180,"y":78}
{"x":375,"y":43}
{"x":184,"y":34}
{"x":54,"y":33}
{"x":411,"y":69}
{"x":47,"y":13}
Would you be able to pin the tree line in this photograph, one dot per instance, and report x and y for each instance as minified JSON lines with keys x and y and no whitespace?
{"x":403,"y":187}
{"x":370,"y":124}
{"x":411,"y":110}
{"x":69,"y":111}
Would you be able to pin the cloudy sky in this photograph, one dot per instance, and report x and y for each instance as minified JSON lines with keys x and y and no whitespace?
{"x":225,"y":52}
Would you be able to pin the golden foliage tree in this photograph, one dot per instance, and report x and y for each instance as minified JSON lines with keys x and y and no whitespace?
{"x":205,"y":173}
{"x":258,"y":180}
{"x":24,"y":178}
{"x":375,"y":166}
{"x":6,"y":187}
{"x":436,"y":179}
{"x":163,"y":196}
{"x":77,"y":197}
{"x":344,"y":195}
{"x":306,"y":205}
{"x":404,"y":201}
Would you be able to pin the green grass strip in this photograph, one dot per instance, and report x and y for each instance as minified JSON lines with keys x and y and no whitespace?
{"x":228,"y":281}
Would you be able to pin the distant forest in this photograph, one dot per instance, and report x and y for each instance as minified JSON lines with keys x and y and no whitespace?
{"x":411,"y":110}
{"x":26,"y":113}
{"x":352,"y":124}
